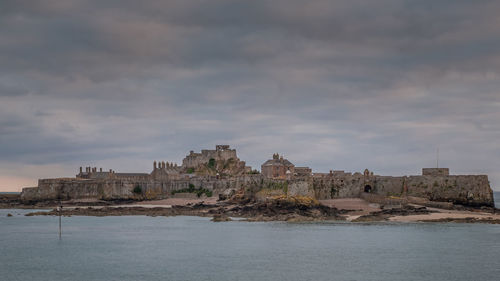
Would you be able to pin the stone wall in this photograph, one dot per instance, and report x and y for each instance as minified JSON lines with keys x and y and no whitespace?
{"x":435,"y":172}
{"x":470,"y":190}
{"x":341,"y":185}
{"x":108,"y":189}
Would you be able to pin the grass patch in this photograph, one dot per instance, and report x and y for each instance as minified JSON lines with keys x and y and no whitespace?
{"x":211,"y":163}
{"x":191,"y":189}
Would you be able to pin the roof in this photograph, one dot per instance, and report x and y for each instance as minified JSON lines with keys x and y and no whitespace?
{"x":99,"y":174}
{"x":131,"y":174}
{"x":277,"y":162}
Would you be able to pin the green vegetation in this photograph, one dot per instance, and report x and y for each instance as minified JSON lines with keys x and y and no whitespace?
{"x":253,"y":172}
{"x":192,"y":189}
{"x":137,"y":189}
{"x":190,"y":170}
{"x":333,"y":191}
{"x":211,"y":163}
{"x":277,"y":185}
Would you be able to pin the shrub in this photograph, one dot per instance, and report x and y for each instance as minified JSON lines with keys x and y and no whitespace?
{"x":190,"y":170}
{"x":137,"y":189}
{"x":191,"y":189}
{"x":211,"y":163}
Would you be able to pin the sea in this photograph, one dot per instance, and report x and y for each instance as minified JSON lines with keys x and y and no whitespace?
{"x":194,"y":248}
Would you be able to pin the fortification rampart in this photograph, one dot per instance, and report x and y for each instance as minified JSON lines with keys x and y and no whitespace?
{"x":226,"y":174}
{"x":108,"y":189}
{"x":471,"y":190}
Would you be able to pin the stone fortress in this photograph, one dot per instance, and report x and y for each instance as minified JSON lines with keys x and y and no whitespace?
{"x":221,"y":173}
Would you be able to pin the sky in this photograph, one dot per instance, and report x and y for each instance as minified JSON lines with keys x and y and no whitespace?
{"x":333,"y":85}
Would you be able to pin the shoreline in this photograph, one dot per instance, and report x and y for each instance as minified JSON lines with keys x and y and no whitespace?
{"x":348,"y":210}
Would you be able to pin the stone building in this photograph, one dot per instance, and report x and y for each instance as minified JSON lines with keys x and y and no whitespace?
{"x":91,"y":173}
{"x":166,"y":171}
{"x":302,"y":172}
{"x":277,"y":168}
{"x":221,"y":152}
{"x":221,"y":160}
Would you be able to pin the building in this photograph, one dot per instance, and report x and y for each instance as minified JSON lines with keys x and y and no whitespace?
{"x":277,"y":168}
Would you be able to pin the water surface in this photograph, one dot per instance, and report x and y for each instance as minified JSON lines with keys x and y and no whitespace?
{"x":193,"y":248}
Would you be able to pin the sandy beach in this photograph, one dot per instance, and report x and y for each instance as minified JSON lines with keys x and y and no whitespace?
{"x":441,"y":215}
{"x":345,"y":209}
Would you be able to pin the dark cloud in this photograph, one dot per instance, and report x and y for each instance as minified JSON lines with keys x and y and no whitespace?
{"x":332,"y":84}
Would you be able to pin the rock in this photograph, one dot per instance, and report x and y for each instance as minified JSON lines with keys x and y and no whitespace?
{"x":9,"y":215}
{"x":221,"y":217}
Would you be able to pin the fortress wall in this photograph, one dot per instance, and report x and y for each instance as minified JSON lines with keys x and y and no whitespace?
{"x":79,"y":189}
{"x":338,"y":186}
{"x":386,"y":186}
{"x":471,"y":190}
{"x":301,"y":188}
{"x":122,"y":188}
{"x":465,"y":190}
{"x":216,"y":185}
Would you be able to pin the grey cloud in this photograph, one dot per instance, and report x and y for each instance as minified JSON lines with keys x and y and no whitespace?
{"x":331,"y":84}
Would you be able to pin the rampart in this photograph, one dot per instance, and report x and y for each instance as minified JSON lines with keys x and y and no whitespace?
{"x":222,"y":177}
{"x":470,"y":190}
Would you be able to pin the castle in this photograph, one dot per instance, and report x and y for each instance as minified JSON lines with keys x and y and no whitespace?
{"x":221,"y":172}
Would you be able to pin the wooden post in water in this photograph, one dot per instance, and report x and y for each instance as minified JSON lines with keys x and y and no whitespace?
{"x":60,"y":213}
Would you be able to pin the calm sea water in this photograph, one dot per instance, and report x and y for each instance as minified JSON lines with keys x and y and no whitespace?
{"x":194,"y":248}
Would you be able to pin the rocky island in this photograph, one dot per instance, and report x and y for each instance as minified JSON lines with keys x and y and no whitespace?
{"x":218,"y":184}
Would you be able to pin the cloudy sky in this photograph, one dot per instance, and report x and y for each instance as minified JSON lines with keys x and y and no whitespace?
{"x":343,"y":85}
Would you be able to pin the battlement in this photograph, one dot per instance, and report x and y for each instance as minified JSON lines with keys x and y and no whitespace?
{"x":435,"y":171}
{"x":222,"y":147}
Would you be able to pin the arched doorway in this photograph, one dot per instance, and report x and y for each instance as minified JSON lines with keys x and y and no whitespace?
{"x":368,"y":188}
